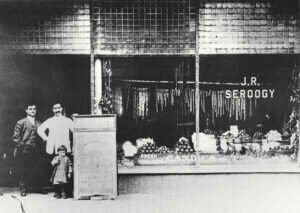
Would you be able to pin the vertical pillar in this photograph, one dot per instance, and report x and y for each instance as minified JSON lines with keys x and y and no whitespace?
{"x":197,"y":102}
{"x":298,"y":127}
{"x":92,"y":83}
{"x":98,"y":84}
{"x":298,"y":67}
{"x":92,"y":61}
{"x":197,"y":75}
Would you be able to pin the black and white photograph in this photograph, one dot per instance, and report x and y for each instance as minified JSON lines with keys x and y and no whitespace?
{"x":149,"y":106}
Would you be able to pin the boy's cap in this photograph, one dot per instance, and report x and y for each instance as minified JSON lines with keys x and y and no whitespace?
{"x":62,"y":148}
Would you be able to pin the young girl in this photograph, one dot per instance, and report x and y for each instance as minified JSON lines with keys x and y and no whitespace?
{"x":62,"y":172}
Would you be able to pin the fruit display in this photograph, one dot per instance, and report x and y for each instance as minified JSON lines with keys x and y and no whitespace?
{"x":140,"y":142}
{"x":286,"y":136}
{"x":273,"y":135}
{"x":286,"y":148}
{"x":183,"y":146}
{"x":209,"y":132}
{"x":270,"y":146}
{"x":163,"y":150}
{"x":243,"y":136}
{"x":258,"y":135}
{"x":227,"y":136}
{"x":226,"y":141}
{"x":294,"y":140}
{"x":254,"y":148}
{"x":129,"y":149}
{"x":120,"y":155}
{"x":223,"y":149}
{"x":293,"y":122}
{"x":274,"y":147}
{"x":149,"y":148}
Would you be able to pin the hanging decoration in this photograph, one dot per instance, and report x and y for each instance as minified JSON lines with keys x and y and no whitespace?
{"x":107,"y":67}
{"x":141,"y":98}
{"x":189,"y":99}
{"x":106,"y":102}
{"x":293,"y":123}
{"x":165,"y":98}
{"x":237,"y":108}
{"x":162,"y":99}
{"x":295,"y":101}
{"x":118,"y":101}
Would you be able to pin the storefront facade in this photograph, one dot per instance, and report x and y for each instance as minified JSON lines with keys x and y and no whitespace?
{"x":175,"y":67}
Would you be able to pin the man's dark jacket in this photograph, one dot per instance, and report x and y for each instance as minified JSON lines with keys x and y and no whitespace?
{"x":25,"y":136}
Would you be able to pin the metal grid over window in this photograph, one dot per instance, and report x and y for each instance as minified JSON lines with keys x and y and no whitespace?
{"x":144,"y":26}
{"x":150,"y":27}
{"x":53,"y":27}
{"x":245,"y":26}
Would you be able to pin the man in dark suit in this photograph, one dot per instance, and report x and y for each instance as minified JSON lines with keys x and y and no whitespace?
{"x":27,"y":149}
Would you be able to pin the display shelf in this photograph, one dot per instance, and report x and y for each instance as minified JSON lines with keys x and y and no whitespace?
{"x":216,"y":158}
{"x":261,"y":141}
{"x":211,"y":169}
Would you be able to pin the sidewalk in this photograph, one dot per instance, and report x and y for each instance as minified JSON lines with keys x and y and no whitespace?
{"x":249,"y":193}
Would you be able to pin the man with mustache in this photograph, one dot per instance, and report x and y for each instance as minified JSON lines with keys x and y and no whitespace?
{"x":58,"y":130}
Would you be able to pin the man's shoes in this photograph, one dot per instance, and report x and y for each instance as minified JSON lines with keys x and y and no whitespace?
{"x":58,"y":196}
{"x":64,"y":196}
{"x":23,"y":189}
{"x":55,"y":194}
{"x":42,"y":191}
